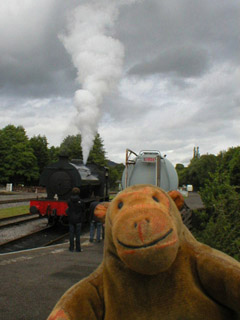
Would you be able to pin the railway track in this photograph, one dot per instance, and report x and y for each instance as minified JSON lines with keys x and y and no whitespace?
{"x":17,"y":220}
{"x":44,"y":237}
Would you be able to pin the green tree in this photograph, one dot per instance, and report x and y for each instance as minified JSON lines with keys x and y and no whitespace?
{"x":225,"y":157}
{"x":219,"y":225}
{"x":71,"y":146}
{"x":40,"y":149}
{"x":200,"y":169}
{"x":229,"y":162}
{"x":115,"y":175}
{"x":182,"y":174}
{"x":53,"y":154}
{"x":18,"y":163}
{"x":234,"y":168}
{"x":97,"y":153}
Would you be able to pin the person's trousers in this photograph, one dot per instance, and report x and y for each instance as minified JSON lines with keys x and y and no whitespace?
{"x":75,"y":230}
{"x":93,"y":226}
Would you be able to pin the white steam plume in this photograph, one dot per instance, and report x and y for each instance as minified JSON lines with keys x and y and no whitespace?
{"x":98,"y":58}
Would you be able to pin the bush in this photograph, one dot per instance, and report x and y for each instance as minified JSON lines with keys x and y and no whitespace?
{"x":219,"y":225}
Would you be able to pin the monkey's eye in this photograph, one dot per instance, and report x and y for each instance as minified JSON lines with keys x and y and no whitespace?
{"x":120,"y":205}
{"x":155,"y":199}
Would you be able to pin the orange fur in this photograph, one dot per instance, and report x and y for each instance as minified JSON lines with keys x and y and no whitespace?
{"x":153,"y":268}
{"x":100,"y":211}
{"x":58,"y":314}
{"x":177,"y":198}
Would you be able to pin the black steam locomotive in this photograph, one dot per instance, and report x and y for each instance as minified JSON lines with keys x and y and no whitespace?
{"x":59,"y":178}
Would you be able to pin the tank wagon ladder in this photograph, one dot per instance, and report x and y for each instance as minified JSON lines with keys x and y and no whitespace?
{"x":156,"y":159}
{"x":128,"y":162}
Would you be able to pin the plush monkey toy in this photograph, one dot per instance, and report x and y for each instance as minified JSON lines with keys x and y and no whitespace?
{"x":153,"y":268}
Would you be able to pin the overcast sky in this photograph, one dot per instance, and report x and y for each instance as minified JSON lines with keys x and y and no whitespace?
{"x":177,"y":76}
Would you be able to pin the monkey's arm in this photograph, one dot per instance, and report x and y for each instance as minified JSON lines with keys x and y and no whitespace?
{"x":83,"y":301}
{"x":220,"y":277}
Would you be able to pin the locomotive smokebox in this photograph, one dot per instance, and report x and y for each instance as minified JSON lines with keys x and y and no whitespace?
{"x":60,"y":177}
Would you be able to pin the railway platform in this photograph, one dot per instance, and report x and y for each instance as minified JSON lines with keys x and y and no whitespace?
{"x":194,"y":201}
{"x":32,"y":281}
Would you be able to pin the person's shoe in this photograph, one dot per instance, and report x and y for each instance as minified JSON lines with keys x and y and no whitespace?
{"x":81,"y":250}
{"x":98,"y":240}
{"x":90,"y":240}
{"x":70,"y":249}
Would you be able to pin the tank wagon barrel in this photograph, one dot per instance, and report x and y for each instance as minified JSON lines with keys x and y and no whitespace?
{"x":149,"y":167}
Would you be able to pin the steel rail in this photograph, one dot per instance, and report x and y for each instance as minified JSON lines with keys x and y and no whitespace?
{"x":13,"y":242}
{"x":17,"y":220}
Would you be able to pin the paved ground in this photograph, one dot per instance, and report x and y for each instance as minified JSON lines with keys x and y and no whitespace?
{"x":33,"y":281}
{"x":194,"y":201}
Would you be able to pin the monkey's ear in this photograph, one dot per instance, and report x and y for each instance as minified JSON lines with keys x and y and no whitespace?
{"x":177,"y":198}
{"x":101,"y":210}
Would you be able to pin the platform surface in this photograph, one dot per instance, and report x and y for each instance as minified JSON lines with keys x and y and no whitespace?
{"x":194,"y":201}
{"x":33,"y":281}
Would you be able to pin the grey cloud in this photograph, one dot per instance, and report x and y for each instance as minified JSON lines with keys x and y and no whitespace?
{"x":37,"y":83}
{"x":33,"y":61}
{"x":121,"y":109}
{"x":217,"y":115}
{"x":174,"y":42}
{"x":155,"y":26}
{"x":185,"y":61}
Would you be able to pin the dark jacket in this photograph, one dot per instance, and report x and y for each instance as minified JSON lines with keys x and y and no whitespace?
{"x":92,"y":208}
{"x":76,"y":210}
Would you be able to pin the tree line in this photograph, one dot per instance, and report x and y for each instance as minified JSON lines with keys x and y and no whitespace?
{"x":22,"y":159}
{"x":217,"y":179}
{"x":202,"y":167}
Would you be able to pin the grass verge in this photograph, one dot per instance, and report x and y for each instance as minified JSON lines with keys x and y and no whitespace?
{"x":13,"y":211}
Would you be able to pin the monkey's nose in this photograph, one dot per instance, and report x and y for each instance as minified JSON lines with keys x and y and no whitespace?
{"x":142,"y":227}
{"x":143,"y":221}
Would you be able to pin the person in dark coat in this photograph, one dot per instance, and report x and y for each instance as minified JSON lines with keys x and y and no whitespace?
{"x":94,"y":223}
{"x":75,"y":214}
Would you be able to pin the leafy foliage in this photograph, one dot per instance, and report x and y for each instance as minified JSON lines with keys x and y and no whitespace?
{"x":71,"y":146}
{"x":53,"y":154}
{"x":182,"y":174}
{"x":218,"y":179}
{"x":40,"y":149}
{"x":234,"y":167}
{"x":18,"y":164}
{"x":219,"y":225}
{"x":22,"y":159}
{"x":201,"y":167}
{"x":97,"y":154}
{"x":115,"y":175}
